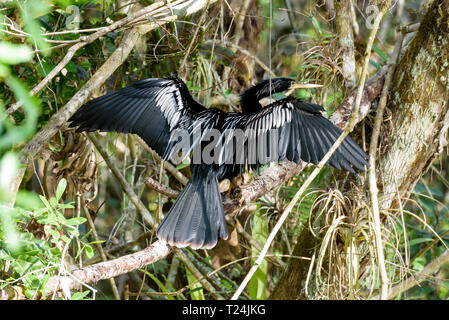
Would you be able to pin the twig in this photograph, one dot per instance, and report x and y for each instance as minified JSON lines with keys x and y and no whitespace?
{"x":292,"y":20}
{"x":419,"y":277}
{"x":166,"y":191}
{"x":372,"y":169}
{"x":193,"y":39}
{"x":167,"y":165}
{"x":146,"y":215}
{"x":240,"y":21}
{"x":245,"y":52}
{"x":99,"y":247}
{"x":172,"y":271}
{"x":198,"y":275}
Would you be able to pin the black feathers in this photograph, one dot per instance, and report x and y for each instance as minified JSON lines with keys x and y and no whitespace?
{"x":222,"y":145}
{"x":197,"y":217}
{"x":151,"y":108}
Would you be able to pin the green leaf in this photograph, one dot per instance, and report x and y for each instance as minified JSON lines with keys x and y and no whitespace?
{"x":15,"y":53}
{"x":75,"y":221}
{"x":85,"y":64}
{"x":9,"y":165}
{"x":55,"y":234}
{"x":75,"y":232}
{"x":5,"y":71}
{"x":380,"y":53}
{"x":418,"y":241}
{"x":71,"y":66}
{"x":46,"y":203}
{"x":182,"y":166}
{"x":89,"y":251}
{"x":65,"y":239}
{"x":30,"y":106}
{"x":375,"y":64}
{"x":196,"y":293}
{"x":80,"y":295}
{"x":316,"y":24}
{"x":44,"y":69}
{"x":258,"y":283}
{"x":61,"y":188}
{"x":30,"y":10}
{"x":159,"y":284}
{"x":28,"y":200}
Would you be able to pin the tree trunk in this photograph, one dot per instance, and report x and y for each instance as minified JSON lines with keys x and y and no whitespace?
{"x":419,"y":102}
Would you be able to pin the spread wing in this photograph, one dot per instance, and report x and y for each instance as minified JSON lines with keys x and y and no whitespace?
{"x":294,"y":130}
{"x":151,"y":108}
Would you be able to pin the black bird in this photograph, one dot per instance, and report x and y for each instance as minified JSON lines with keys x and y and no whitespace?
{"x":157,"y":109}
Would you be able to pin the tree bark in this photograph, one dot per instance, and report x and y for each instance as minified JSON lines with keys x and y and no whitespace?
{"x":419,"y":102}
{"x":343,"y":22}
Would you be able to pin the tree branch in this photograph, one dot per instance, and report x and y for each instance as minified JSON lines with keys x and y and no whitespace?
{"x":109,"y":269}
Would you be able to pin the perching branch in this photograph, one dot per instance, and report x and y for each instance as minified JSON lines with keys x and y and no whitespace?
{"x":109,"y":269}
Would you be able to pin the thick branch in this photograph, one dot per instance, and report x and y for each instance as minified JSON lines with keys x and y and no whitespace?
{"x":110,"y":269}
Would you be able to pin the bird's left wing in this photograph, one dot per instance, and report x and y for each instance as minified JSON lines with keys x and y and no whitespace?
{"x":294,"y":130}
{"x":151,"y":108}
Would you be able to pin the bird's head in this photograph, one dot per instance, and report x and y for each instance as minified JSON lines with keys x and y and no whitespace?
{"x":279,"y":84}
{"x":283,"y":84}
{"x":250,"y":97}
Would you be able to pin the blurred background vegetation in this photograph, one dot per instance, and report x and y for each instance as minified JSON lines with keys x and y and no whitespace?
{"x":219,"y":53}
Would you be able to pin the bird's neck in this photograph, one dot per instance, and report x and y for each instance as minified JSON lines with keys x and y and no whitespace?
{"x":249,"y":103}
{"x":249,"y":100}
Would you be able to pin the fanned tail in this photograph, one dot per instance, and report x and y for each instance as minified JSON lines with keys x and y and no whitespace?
{"x":197,"y":217}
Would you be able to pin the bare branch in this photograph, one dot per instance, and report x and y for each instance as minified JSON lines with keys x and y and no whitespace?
{"x":110,"y":269}
{"x":166,"y":191}
{"x":372,"y":169}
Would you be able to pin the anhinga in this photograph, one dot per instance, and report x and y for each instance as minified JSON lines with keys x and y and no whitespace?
{"x":156,"y":108}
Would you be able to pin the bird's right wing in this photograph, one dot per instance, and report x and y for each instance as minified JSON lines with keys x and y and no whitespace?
{"x":151,"y":108}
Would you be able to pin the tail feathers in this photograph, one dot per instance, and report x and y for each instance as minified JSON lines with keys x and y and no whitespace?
{"x":197,"y":217}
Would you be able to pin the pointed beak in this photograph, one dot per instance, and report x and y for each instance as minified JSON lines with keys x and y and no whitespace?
{"x":305,"y":86}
